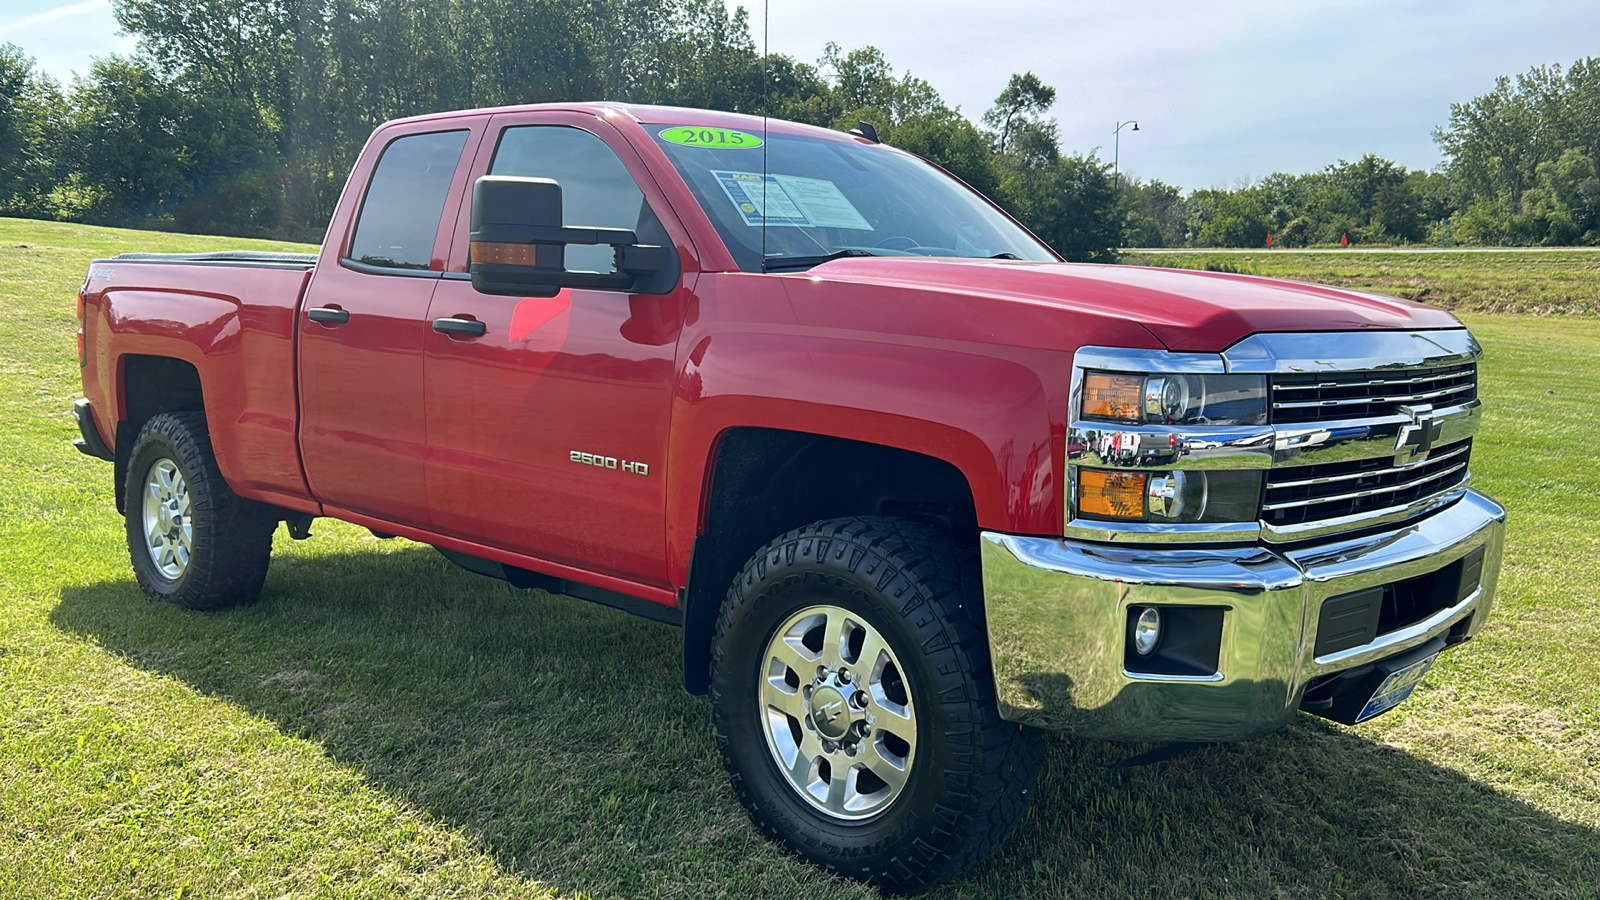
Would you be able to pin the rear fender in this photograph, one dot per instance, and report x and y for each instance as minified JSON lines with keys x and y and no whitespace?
{"x":240,"y":344}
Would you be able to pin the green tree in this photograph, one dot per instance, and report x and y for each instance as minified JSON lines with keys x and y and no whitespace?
{"x":1077,"y":212}
{"x":869,"y":91}
{"x":706,"y":59}
{"x":1067,"y":200}
{"x":1229,"y":218}
{"x":797,"y":92}
{"x":1562,"y":206}
{"x":1515,"y":155}
{"x":947,"y":138}
{"x":124,"y":140}
{"x":31,"y":107}
{"x":147,"y":153}
{"x":1493,"y":142}
{"x":1378,"y":197}
{"x":1025,"y":100}
{"x":1153,"y":213}
{"x":1297,"y":232}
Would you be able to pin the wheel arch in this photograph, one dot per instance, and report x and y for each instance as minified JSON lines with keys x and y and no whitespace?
{"x":147,"y":386}
{"x":762,"y":482}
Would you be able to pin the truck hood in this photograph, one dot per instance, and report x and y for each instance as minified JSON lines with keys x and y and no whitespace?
{"x":1185,"y":310}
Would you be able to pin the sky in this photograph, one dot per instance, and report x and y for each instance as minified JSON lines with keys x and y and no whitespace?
{"x":1224,"y":91}
{"x":62,"y":37}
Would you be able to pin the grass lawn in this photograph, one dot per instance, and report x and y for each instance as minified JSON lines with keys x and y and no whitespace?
{"x":383,"y":724}
{"x":1539,"y":282}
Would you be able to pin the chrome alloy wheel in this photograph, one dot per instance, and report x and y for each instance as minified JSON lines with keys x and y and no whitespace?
{"x":168,"y":530}
{"x":837,"y":712}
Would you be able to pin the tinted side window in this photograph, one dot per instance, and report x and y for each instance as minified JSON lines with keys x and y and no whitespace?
{"x":596,"y":190}
{"x":400,"y":215}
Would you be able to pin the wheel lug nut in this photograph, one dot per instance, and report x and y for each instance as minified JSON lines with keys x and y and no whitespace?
{"x":844,"y":676}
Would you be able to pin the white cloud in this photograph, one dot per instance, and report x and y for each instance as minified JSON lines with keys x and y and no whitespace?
{"x":63,"y":39}
{"x":52,"y":15}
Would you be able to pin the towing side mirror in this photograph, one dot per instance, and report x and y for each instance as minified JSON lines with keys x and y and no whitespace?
{"x":519,"y":245}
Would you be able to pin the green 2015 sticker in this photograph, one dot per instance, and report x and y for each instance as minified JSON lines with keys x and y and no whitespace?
{"x":716,"y":138}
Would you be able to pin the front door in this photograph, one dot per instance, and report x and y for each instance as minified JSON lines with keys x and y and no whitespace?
{"x":547,"y":435}
{"x":362,"y":428}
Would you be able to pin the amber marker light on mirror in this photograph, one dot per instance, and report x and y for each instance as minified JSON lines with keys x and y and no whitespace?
{"x":1111,"y":495}
{"x":505,"y":254}
{"x":1108,"y":396}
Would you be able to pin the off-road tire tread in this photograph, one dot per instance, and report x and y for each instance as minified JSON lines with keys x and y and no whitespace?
{"x":238,"y":548}
{"x":925,"y":570}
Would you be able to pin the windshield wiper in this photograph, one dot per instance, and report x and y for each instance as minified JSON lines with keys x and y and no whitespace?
{"x":775,"y":263}
{"x":1005,"y":256}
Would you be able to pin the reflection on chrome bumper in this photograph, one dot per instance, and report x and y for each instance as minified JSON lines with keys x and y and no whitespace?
{"x":1057,"y":615}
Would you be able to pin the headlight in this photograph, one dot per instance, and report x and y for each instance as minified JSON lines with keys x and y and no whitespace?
{"x":1174,"y":399}
{"x":1183,"y":496}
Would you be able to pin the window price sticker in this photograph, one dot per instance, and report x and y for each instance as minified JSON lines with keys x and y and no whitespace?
{"x":761,"y":199}
{"x":790,"y":201}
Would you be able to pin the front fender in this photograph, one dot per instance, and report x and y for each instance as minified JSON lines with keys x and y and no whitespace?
{"x":978,"y":382}
{"x":988,"y":417}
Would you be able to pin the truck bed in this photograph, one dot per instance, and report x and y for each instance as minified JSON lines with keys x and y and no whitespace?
{"x":231,"y":316}
{"x":258,"y":258}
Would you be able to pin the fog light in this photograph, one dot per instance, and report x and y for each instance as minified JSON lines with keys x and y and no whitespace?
{"x":1147,"y":631}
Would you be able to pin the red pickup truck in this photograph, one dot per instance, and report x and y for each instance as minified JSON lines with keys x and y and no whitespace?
{"x":916,"y":490}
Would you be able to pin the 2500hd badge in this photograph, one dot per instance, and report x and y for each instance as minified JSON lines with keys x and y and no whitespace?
{"x":609,"y":462}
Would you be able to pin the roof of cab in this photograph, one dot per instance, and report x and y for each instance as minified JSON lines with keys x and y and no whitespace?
{"x":651,"y":115}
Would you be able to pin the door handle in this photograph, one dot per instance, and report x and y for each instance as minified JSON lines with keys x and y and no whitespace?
{"x":463,"y":327}
{"x":328,"y":315}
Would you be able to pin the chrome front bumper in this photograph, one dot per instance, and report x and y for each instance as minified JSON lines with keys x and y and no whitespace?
{"x":1057,"y":614}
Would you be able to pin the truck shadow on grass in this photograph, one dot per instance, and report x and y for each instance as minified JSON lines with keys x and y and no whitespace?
{"x":555,"y":731}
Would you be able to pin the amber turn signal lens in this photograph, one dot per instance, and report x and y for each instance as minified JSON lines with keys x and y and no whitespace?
{"x":1114,"y":495}
{"x":505,"y":254}
{"x":1108,"y":396}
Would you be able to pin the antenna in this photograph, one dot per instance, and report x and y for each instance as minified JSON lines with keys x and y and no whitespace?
{"x":766,"y":27}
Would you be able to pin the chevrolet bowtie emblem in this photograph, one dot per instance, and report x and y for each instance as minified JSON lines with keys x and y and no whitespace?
{"x":1416,"y":437}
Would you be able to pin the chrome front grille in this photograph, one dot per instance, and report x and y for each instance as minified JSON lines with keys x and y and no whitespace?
{"x":1364,"y":430}
{"x":1338,"y":396}
{"x":1299,"y":494}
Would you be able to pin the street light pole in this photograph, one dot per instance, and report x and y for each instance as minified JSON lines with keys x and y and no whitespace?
{"x":1116,"y":151}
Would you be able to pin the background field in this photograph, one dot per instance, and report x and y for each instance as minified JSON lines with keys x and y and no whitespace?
{"x":1519,"y":282}
{"x":382,"y":724}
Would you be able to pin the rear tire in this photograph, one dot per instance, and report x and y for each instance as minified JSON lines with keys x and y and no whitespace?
{"x":193,"y":541}
{"x":855,"y":646}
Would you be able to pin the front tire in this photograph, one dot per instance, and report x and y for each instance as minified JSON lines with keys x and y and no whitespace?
{"x":854,"y":708}
{"x":193,"y":541}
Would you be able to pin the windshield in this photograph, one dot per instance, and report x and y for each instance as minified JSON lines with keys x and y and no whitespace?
{"x":823,"y":198}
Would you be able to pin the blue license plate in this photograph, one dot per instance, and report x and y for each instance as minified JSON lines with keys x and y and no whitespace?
{"x":1396,"y":688}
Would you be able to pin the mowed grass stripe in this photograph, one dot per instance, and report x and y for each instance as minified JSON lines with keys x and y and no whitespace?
{"x":1538,"y":282}
{"x":382,"y":724}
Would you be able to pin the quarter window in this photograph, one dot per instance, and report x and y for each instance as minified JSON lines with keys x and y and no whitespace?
{"x":405,"y":199}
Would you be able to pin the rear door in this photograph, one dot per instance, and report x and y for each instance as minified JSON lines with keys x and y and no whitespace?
{"x":547,"y":435}
{"x":362,"y":429}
